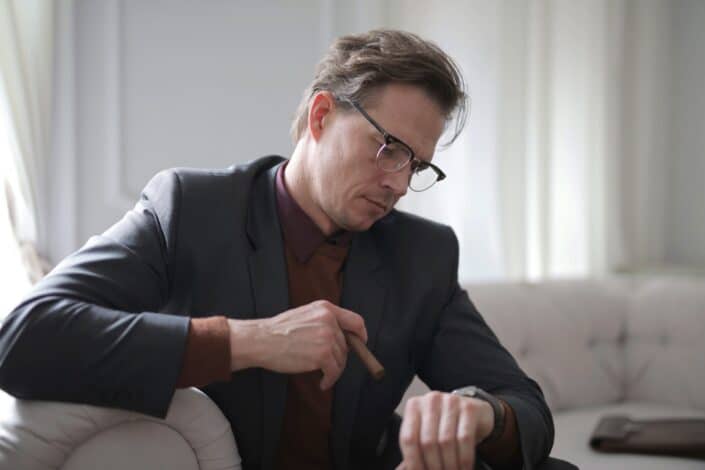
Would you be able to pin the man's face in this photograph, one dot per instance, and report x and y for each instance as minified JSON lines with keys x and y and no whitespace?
{"x":346,"y":183}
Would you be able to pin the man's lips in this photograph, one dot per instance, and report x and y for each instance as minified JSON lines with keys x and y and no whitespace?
{"x":382,"y":206}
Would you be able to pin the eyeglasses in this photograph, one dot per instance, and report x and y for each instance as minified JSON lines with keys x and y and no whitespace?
{"x":393,"y":155}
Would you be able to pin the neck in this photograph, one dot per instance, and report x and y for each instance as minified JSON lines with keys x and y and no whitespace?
{"x":300,"y":185}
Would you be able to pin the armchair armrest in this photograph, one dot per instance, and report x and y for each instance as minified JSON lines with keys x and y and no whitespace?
{"x":42,"y":435}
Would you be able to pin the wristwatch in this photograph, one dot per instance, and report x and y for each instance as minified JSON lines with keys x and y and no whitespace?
{"x":476,"y":392}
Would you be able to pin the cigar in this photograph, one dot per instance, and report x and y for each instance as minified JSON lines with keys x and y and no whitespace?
{"x":376,"y":369}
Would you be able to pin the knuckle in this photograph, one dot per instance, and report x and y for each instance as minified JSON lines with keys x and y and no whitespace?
{"x":359,"y":322}
{"x":452,"y":399}
{"x":446,"y":438}
{"x":411,"y":404}
{"x":452,"y":402}
{"x":427,"y":443}
{"x":407,"y":439}
{"x":466,"y":439}
{"x":323,"y":315}
{"x":434,"y":398}
{"x":468,"y":406}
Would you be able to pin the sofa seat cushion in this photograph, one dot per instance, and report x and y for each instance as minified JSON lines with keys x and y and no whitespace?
{"x":574,"y":427}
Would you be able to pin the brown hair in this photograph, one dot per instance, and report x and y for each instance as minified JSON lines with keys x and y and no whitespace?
{"x":355,"y":66}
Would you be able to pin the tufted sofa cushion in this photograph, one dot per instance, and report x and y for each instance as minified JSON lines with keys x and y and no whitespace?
{"x":665,"y":347}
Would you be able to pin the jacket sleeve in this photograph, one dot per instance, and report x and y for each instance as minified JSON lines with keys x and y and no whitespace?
{"x":90,"y":331}
{"x":465,"y":351}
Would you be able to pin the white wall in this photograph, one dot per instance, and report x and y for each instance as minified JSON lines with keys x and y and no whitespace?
{"x":686,"y":203}
{"x":146,"y":85}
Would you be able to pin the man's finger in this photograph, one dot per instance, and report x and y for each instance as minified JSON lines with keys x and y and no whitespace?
{"x":430,"y":417}
{"x":351,"y":321}
{"x":339,"y":355}
{"x":331,"y":373}
{"x":466,"y":438}
{"x":340,"y":340}
{"x":409,"y":437}
{"x":448,"y":431}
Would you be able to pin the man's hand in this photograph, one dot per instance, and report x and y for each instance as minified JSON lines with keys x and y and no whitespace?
{"x":441,"y":430}
{"x":302,"y":339}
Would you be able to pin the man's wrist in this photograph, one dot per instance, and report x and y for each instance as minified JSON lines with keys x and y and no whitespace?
{"x":486,"y":422}
{"x":244,"y":339}
{"x":497,"y":423}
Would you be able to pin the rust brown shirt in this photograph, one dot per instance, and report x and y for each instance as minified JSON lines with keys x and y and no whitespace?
{"x":315,"y":268}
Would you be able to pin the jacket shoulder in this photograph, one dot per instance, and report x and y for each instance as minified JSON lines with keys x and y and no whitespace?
{"x":236,"y":173}
{"x":201,"y":187}
{"x":406,"y":228}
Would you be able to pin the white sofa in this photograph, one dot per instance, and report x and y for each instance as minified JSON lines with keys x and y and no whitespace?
{"x":36,"y":435}
{"x":595,"y":347}
{"x":634,"y":346}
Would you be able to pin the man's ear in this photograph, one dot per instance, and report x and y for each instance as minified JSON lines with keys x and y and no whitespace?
{"x":320,"y":112}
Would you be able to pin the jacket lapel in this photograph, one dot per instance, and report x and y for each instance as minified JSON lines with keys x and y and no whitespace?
{"x":271,"y":296}
{"x":363,"y":293}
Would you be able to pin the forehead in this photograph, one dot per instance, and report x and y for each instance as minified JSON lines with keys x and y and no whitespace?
{"x":408,"y":113}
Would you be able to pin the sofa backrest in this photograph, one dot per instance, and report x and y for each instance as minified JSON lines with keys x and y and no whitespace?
{"x":665,"y":350}
{"x":596,"y":342}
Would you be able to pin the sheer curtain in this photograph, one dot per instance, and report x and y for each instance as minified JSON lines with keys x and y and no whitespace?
{"x":26,"y":50}
{"x":560,"y":170}
{"x":13,"y":275}
{"x":583,"y":153}
{"x":468,"y":199}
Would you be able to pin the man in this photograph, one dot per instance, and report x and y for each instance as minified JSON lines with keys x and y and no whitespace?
{"x":245,"y":281}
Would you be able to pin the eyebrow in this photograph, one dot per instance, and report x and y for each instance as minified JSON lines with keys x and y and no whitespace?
{"x":381,"y":130}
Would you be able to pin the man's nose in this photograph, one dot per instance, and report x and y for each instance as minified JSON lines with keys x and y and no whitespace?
{"x":397,"y":181}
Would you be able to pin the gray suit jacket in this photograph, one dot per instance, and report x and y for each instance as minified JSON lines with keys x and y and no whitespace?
{"x":108,"y":325}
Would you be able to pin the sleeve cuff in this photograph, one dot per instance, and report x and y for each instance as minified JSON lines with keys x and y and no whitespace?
{"x":207,"y":355}
{"x":505,"y":450}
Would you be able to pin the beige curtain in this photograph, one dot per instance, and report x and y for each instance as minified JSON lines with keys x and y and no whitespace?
{"x":26,"y":52}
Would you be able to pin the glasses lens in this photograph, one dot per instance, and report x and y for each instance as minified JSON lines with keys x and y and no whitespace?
{"x":422,"y":178}
{"x":393,"y":156}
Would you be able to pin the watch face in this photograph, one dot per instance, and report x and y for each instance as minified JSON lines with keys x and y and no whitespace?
{"x":470,"y":391}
